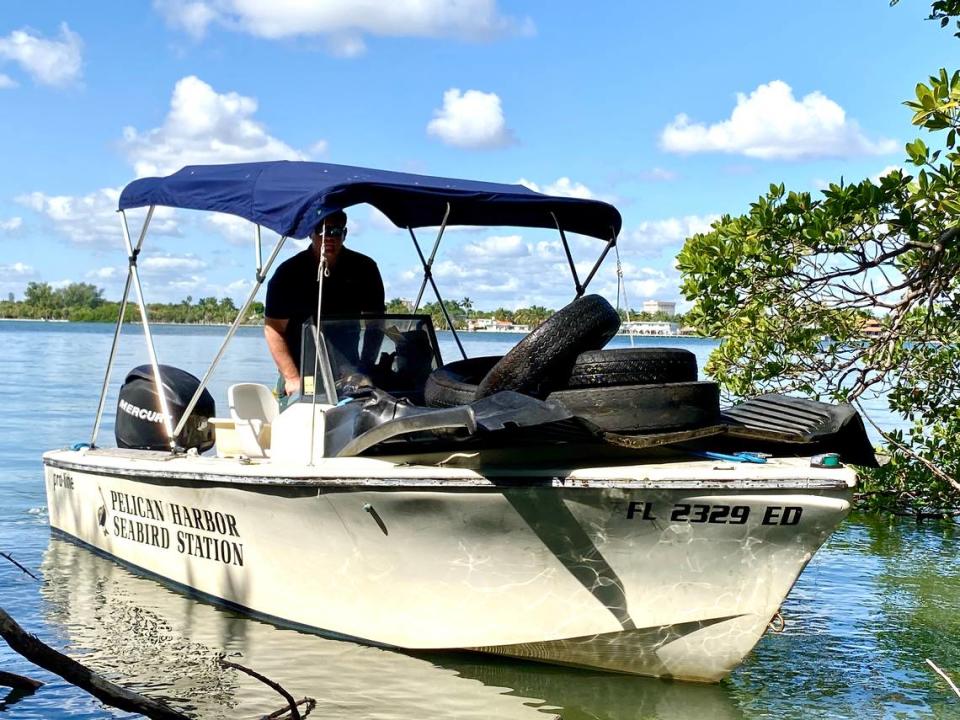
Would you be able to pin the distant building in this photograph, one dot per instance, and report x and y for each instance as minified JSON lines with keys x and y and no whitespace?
{"x":659,"y":306}
{"x":643,"y":327}
{"x":491,"y":325}
{"x":872,"y":327}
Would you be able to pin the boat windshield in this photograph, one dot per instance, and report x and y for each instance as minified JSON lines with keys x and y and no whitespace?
{"x":395,"y":353}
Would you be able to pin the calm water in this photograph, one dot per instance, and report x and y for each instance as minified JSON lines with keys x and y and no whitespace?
{"x":875,"y":602}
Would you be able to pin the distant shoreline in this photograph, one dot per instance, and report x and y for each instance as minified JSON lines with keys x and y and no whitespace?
{"x":128,"y":322}
{"x":43,"y":321}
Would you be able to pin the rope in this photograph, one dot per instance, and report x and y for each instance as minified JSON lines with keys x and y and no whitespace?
{"x":322,"y":272}
{"x":623,"y":285}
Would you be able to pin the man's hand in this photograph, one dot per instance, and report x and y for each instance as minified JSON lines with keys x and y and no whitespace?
{"x":273,"y":330}
{"x":291,"y":385}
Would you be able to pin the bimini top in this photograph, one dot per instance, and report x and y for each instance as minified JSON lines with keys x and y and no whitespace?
{"x":290,"y":198}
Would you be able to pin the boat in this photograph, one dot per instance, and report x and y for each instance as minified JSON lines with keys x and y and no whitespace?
{"x":566,"y":503}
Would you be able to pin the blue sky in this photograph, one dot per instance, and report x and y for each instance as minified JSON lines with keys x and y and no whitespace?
{"x":676,"y":113}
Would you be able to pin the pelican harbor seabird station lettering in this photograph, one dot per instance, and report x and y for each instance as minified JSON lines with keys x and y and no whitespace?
{"x":149,"y":512}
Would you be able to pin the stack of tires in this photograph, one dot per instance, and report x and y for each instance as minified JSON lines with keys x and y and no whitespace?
{"x":624,"y":390}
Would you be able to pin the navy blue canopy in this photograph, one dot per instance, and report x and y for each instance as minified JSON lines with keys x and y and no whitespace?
{"x":291,"y":198}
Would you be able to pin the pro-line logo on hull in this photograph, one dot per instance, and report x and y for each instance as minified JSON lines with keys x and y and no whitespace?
{"x":142,"y":413}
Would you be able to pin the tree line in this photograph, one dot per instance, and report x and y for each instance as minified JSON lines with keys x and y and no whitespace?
{"x":84,"y":302}
{"x":460,"y":311}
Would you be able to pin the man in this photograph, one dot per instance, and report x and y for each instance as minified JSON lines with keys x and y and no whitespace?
{"x":353,"y":286}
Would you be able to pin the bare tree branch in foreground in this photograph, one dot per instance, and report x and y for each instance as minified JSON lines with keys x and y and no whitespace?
{"x":10,"y":558}
{"x":283,"y":712}
{"x":76,"y":674}
{"x":18,"y":682}
{"x":21,"y":687}
{"x":946,"y":677}
{"x":292,"y":705}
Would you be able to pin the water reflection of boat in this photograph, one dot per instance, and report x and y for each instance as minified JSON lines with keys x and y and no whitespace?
{"x":575,"y":693}
{"x":165,"y":643}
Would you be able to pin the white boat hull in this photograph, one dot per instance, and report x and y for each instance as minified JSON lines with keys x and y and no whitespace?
{"x":653,"y":570}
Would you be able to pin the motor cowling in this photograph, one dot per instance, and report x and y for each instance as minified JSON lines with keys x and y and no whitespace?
{"x":140,"y":422}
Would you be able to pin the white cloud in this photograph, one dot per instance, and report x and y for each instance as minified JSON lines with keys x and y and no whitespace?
{"x":564,"y":187}
{"x":11,"y":226}
{"x":237,"y":231}
{"x":770,"y":123}
{"x":48,"y":62}
{"x":471,"y":119}
{"x":170,"y":278}
{"x":550,"y":250}
{"x":174,"y":284}
{"x":17,"y":269}
{"x":7,"y":82}
{"x":651,"y":236}
{"x":344,"y":23}
{"x":104,"y":273}
{"x":238,"y":287}
{"x":93,"y":218}
{"x":203,"y":127}
{"x":642,"y":283}
{"x":497,"y":247}
{"x":14,"y":278}
{"x":192,"y":17}
{"x":234,"y":229}
{"x":171,"y":264}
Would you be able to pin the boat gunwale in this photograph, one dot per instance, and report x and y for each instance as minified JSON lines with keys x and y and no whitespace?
{"x":464,"y":482}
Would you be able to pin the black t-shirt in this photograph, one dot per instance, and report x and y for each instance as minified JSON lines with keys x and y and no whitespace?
{"x":353,"y":287}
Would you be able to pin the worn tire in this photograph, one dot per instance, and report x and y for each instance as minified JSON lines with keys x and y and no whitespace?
{"x":632,"y":366}
{"x":456,"y":382}
{"x":543,"y":360}
{"x":642,"y":408}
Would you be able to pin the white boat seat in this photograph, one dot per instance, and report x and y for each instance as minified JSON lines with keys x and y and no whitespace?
{"x":253,"y":408}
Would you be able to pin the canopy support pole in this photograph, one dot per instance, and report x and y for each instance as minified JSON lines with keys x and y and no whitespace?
{"x":261,"y":275}
{"x":566,"y":248}
{"x":427,"y":266}
{"x":428,"y":277}
{"x":610,"y":243}
{"x":257,"y":246}
{"x":151,"y":349}
{"x":117,"y":329}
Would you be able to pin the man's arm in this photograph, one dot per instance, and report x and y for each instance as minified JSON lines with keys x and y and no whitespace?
{"x":273,"y":330}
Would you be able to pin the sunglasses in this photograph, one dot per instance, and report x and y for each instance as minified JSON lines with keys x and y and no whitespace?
{"x":332,"y":232}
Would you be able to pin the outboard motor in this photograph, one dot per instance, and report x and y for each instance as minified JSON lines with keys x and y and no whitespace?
{"x":140,"y":419}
